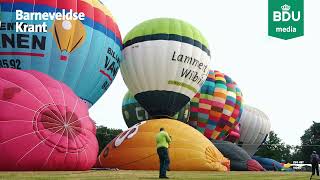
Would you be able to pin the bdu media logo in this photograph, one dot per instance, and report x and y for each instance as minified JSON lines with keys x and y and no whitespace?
{"x":285,"y":15}
{"x":286,"y":19}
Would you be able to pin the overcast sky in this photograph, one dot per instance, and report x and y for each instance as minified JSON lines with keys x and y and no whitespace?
{"x":279,"y":77}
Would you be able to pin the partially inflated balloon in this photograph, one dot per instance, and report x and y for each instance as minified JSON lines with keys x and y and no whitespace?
{"x":254,"y":129}
{"x":85,"y":54}
{"x":136,"y":149}
{"x":239,"y":158}
{"x":43,"y":124}
{"x":166,"y":63}
{"x":216,"y":109}
{"x":269,"y":164}
{"x":133,"y":112}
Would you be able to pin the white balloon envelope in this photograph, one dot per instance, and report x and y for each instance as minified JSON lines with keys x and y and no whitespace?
{"x":254,"y":129}
{"x":165,"y":64}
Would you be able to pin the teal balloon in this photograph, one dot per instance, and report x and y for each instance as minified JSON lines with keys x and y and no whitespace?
{"x":134,"y":113}
{"x":85,"y":54}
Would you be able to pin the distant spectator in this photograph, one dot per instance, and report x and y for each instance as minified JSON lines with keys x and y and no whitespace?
{"x":314,"y":159}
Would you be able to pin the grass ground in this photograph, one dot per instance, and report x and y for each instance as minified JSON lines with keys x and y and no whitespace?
{"x":154,"y":174}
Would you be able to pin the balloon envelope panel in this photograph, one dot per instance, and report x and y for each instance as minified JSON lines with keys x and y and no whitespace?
{"x":234,"y":135}
{"x":134,"y":113}
{"x":254,"y":129}
{"x":269,"y":164}
{"x":239,"y":158}
{"x":136,"y":149}
{"x":84,"y":54}
{"x":166,"y":62}
{"x":44,"y":125}
{"x":216,"y":109}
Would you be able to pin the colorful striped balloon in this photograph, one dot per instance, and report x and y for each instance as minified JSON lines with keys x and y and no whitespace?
{"x":84,"y":54}
{"x":217,"y":108}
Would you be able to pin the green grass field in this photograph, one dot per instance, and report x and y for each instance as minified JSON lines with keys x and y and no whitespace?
{"x":154,"y":175}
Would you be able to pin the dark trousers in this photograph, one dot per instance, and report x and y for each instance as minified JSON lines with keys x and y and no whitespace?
{"x":315,"y":167}
{"x":164,"y":161}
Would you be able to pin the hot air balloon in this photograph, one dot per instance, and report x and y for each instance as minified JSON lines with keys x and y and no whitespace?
{"x":239,"y":158}
{"x":189,"y":150}
{"x":166,"y":63}
{"x":43,"y":124}
{"x":133,"y":112}
{"x":83,"y":53}
{"x":216,"y":109}
{"x":254,"y":129}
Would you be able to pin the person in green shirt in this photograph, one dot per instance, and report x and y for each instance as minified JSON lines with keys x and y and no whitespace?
{"x":163,"y":140}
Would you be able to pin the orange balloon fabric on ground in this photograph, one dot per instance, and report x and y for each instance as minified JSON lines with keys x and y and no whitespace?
{"x":135,"y":149}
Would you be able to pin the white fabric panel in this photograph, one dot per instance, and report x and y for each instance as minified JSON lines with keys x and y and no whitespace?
{"x":149,"y":66}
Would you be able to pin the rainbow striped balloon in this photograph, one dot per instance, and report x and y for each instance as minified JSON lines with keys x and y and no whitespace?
{"x":217,"y":108}
{"x":83,"y":53}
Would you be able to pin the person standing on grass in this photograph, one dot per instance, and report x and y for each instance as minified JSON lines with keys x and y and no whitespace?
{"x":314,"y":159}
{"x":163,"y":140}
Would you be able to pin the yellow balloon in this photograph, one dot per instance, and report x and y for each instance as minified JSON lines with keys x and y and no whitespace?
{"x":68,"y":34}
{"x":135,"y":149}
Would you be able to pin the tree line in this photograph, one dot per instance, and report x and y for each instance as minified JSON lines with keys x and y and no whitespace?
{"x":273,"y":148}
{"x":276,"y":149}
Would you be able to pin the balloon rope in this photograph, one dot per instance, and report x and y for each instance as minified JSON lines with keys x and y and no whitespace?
{"x":136,"y":160}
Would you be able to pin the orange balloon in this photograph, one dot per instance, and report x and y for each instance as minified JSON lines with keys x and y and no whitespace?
{"x":135,"y":149}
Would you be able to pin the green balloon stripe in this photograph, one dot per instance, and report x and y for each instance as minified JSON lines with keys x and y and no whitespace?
{"x":177,"y":83}
{"x":166,"y":26}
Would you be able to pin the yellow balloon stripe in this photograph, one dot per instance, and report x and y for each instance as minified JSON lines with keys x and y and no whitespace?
{"x":97,"y":4}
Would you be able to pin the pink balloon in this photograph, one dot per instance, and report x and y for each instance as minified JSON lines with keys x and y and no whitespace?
{"x":43,"y":124}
